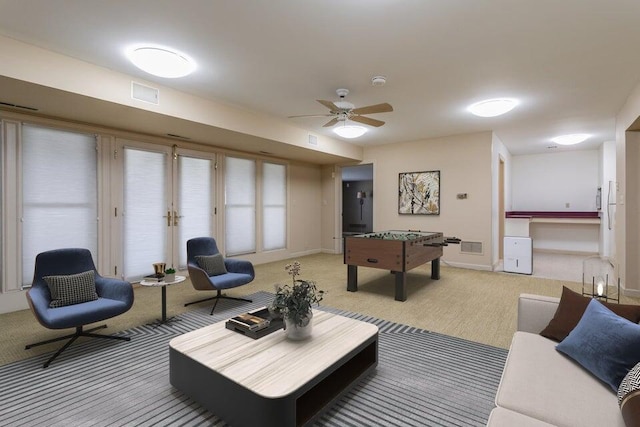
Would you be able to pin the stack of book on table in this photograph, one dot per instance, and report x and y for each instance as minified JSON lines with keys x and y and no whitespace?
{"x":254,"y":324}
{"x":153,"y":278}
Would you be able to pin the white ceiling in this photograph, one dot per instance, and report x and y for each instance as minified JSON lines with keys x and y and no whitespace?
{"x":571,"y":63}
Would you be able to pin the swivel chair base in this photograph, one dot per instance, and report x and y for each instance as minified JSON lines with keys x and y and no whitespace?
{"x":79,"y":333}
{"x":218,"y":297}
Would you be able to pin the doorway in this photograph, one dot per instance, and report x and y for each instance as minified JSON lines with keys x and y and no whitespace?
{"x":357,"y":199}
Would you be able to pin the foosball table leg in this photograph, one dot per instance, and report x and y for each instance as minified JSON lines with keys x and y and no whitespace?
{"x":435,"y":269}
{"x":352,"y":278}
{"x":401,"y":286}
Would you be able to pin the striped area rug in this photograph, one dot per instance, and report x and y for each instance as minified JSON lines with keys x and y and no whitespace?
{"x":422,"y":379}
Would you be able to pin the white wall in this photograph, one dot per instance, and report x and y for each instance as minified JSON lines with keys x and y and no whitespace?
{"x":550,"y":182}
{"x":547,"y":182}
{"x":465,"y":165}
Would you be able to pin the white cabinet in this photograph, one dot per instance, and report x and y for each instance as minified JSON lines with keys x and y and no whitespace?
{"x":518,"y":255}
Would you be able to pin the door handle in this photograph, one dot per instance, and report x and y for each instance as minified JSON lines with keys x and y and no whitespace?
{"x":175,"y":217}
{"x":168,"y":216}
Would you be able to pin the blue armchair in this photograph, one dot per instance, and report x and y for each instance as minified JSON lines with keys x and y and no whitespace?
{"x":114,"y":297}
{"x":238,"y":272}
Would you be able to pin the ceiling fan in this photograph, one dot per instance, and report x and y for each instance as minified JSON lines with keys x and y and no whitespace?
{"x":342,"y":110}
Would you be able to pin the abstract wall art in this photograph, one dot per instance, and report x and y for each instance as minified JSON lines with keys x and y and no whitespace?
{"x":419,"y":193}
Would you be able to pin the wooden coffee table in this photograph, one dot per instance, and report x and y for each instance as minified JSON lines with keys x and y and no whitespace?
{"x":273,"y":381}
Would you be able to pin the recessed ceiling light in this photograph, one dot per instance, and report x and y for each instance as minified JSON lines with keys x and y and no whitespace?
{"x":161,"y":61}
{"x":574,"y":138}
{"x":350,"y":131}
{"x":492,"y":107}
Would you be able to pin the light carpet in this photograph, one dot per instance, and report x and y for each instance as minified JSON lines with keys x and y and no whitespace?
{"x":422,"y":379}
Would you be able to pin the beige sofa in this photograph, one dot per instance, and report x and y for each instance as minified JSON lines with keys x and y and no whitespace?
{"x":542,"y":387}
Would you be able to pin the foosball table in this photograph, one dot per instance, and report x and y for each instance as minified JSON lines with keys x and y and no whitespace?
{"x":396,"y":251}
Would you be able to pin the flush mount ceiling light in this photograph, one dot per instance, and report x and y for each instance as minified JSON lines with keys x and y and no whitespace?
{"x":492,"y":107}
{"x":350,"y":131}
{"x":161,"y":61}
{"x":572,"y":139}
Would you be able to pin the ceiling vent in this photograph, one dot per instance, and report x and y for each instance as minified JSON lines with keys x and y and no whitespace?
{"x":144,"y":93}
{"x":474,"y":248}
{"x":313,"y":140}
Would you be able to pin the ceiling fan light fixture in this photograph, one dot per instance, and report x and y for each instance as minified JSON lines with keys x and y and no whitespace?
{"x":161,"y":61}
{"x":492,"y":107}
{"x":571,"y":139}
{"x":350,"y":131}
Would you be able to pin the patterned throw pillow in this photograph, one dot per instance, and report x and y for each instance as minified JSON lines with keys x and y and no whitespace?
{"x":629,"y":397}
{"x":212,"y":264}
{"x":72,"y":289}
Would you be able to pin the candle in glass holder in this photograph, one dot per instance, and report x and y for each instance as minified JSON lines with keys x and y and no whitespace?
{"x":599,"y":286}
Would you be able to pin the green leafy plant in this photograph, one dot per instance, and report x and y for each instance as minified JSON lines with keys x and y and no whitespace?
{"x":170,"y":271}
{"x":294,"y":301}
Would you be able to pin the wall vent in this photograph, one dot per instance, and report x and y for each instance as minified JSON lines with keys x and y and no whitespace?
{"x":471,"y":248}
{"x":8,"y":104}
{"x":313,"y":140}
{"x":173,"y":135}
{"x":145,"y":93}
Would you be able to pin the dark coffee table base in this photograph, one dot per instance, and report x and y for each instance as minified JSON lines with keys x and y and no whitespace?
{"x":240,"y":407}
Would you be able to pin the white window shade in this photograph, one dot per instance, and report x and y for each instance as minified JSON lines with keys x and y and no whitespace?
{"x":145,"y":210}
{"x":59,"y":193}
{"x":195,"y":202}
{"x":240,"y":206}
{"x":274,"y":206}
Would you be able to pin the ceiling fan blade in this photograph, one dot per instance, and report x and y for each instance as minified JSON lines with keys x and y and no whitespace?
{"x":311,"y":115}
{"x":371,"y":109}
{"x":330,"y":105}
{"x":330,"y":123}
{"x":367,"y":121}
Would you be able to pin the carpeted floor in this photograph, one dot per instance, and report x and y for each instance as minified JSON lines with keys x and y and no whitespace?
{"x":423,"y":379}
{"x":475,"y":305}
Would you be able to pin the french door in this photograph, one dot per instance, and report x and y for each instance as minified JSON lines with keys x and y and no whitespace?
{"x":168,"y":198}
{"x":195,"y":202}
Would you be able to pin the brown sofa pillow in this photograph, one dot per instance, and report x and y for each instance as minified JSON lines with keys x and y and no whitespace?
{"x":571,"y":308}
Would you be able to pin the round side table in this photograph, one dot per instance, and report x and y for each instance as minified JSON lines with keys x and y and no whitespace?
{"x":163,"y":285}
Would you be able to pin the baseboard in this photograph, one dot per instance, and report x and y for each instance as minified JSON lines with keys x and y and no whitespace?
{"x":633,"y":293}
{"x":465,"y":265}
{"x":563,"y":252}
{"x":305,"y":253}
{"x":330,"y":251}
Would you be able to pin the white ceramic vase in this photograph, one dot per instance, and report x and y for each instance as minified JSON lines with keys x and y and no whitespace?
{"x":297,"y":333}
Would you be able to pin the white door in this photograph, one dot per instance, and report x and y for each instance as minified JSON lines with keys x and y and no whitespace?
{"x":168,"y":198}
{"x":147,"y":209}
{"x":194,"y":201}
